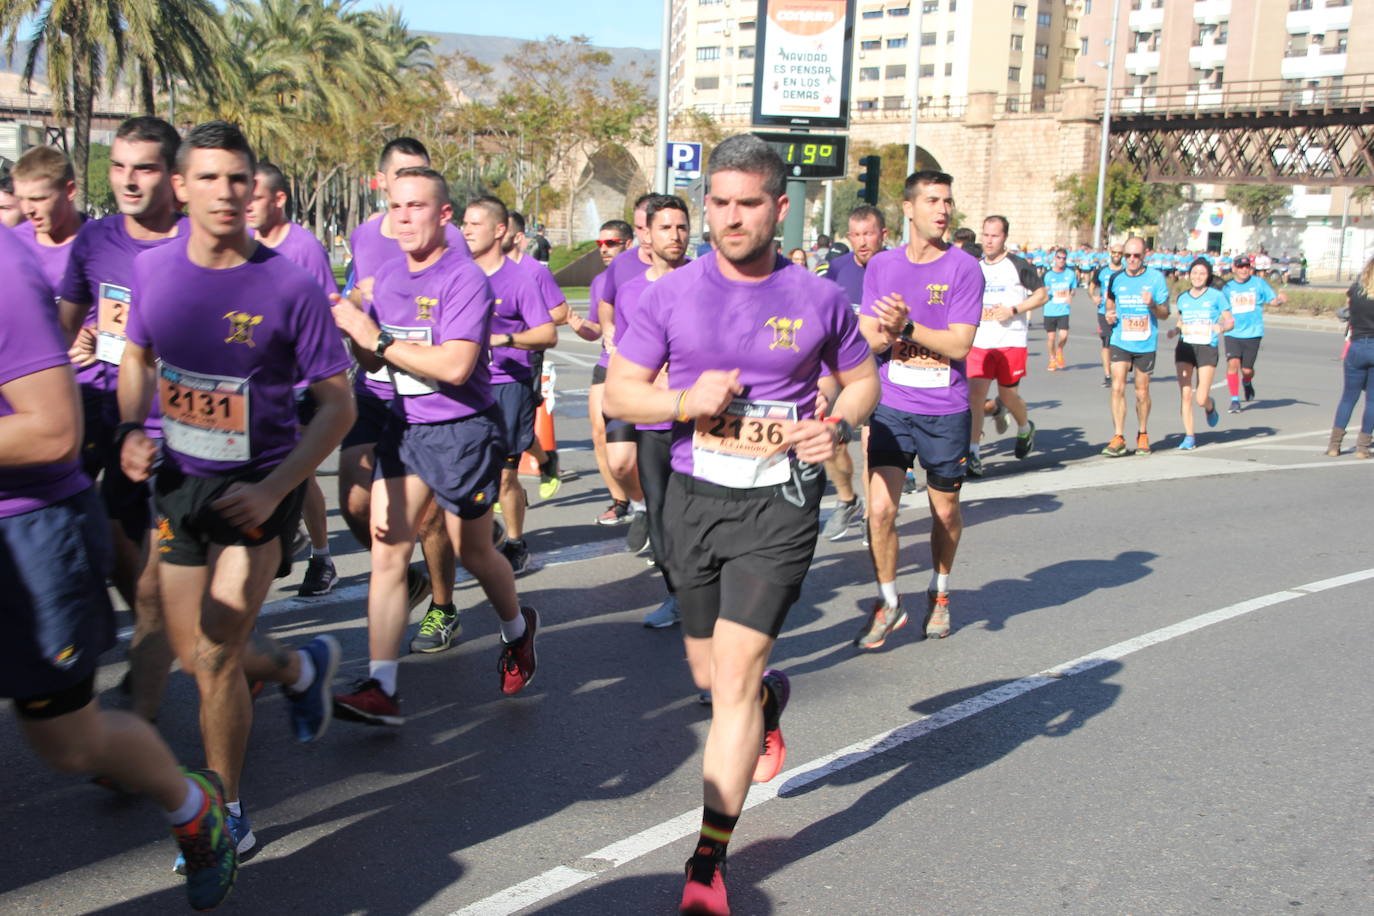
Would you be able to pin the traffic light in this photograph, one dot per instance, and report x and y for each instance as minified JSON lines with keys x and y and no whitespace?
{"x":873,"y":168}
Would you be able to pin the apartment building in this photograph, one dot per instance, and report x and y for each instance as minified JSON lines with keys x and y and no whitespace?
{"x":1013,"y":47}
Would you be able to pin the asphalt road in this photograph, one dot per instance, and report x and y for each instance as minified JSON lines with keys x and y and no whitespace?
{"x":1156,"y":700}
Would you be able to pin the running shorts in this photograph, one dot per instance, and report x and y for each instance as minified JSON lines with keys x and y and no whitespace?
{"x":187,"y":524}
{"x":459,"y":460}
{"x":899,"y":439}
{"x":1195,"y":354}
{"x":1245,"y":349}
{"x":1005,"y":364}
{"x":516,"y":402}
{"x":1141,"y":362}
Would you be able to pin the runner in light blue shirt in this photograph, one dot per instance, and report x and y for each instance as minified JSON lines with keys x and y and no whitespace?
{"x":1061,"y":282}
{"x":1202,"y":318}
{"x":1247,"y":296}
{"x":1137,"y":300}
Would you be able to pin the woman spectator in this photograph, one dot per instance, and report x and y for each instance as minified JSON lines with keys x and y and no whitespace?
{"x":1359,"y":366}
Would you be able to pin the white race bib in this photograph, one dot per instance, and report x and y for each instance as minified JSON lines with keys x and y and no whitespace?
{"x":204,"y":416}
{"x":406,"y":385}
{"x":744,"y":447}
{"x":1197,"y":332}
{"x":1242,"y":303}
{"x":1135,"y":327}
{"x":915,"y":366}
{"x":111,"y":322}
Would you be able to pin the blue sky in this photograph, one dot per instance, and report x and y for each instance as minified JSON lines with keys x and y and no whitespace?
{"x":610,"y":23}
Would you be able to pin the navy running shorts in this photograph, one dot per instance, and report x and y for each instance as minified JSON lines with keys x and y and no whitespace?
{"x":459,"y":460}
{"x":899,"y":439}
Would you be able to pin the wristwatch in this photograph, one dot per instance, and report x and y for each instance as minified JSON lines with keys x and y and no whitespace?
{"x":384,"y":340}
{"x":844,"y":433}
{"x":510,"y":340}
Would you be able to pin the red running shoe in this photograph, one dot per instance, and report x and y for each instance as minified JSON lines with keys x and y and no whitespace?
{"x":369,"y":704}
{"x":704,"y":892}
{"x":774,"y":753}
{"x":518,"y":661}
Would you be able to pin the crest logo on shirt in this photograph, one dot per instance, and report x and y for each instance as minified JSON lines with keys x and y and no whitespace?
{"x":424,"y":306}
{"x":241,"y":326}
{"x":937,"y":293}
{"x":784,"y":333}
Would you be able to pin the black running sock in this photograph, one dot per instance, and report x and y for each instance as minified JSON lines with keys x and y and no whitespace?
{"x":716,"y":830}
{"x":770,"y":709}
{"x":448,"y":609}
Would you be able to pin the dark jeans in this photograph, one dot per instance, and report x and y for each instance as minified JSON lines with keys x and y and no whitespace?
{"x":1359,"y":376}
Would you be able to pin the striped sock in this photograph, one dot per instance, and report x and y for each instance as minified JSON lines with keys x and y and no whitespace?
{"x":716,"y":830}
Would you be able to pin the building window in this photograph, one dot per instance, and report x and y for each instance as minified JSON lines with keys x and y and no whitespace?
{"x":872,"y":14}
{"x":708,"y":82}
{"x":873,"y":44}
{"x":896,"y":71}
{"x":949,"y":37}
{"x":868,"y":73}
{"x":746,"y":25}
{"x":868,"y":104}
{"x":709,"y":2}
{"x":1071,"y":25}
{"x":1087,"y":6}
{"x":949,"y":69}
{"x":745,"y":82}
{"x":930,"y":6}
{"x":746,"y":52}
{"x":899,"y":11}
{"x":1018,"y":11}
{"x":710,"y":52}
{"x":1083,"y":46}
{"x":1037,"y":81}
{"x":927,"y":39}
{"x":894,"y":101}
{"x":927,"y":71}
{"x":1042,"y":21}
{"x":1016,"y":42}
{"x":953,"y":5}
{"x":896,"y":43}
{"x":1042,"y":51}
{"x":1013,"y":74}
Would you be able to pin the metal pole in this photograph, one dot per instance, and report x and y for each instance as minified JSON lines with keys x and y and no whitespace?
{"x":661,"y":165}
{"x":913,"y":90}
{"x":829,"y":200}
{"x":794,"y":226}
{"x":1345,"y":221}
{"x":1106,"y":128}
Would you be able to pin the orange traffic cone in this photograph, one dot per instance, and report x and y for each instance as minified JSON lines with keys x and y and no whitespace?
{"x":543,"y":422}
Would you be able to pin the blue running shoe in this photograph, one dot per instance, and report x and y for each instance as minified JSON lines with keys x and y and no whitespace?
{"x":245,"y":841}
{"x":312,"y":708}
{"x":1188,"y":443}
{"x":1213,"y":415}
{"x":208,"y":845}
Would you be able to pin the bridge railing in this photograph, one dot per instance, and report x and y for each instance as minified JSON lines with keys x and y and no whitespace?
{"x":1247,"y":96}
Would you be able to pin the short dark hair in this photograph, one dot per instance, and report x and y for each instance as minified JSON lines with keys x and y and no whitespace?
{"x":515,"y":224}
{"x":152,"y":130}
{"x":620,"y":228}
{"x":493,"y":205}
{"x":1006,"y":225}
{"x":660,"y":202}
{"x":1211,"y":275}
{"x":1058,"y":251}
{"x":866,"y":212}
{"x":215,"y":135}
{"x":408,"y":146}
{"x":274,"y":179}
{"x":964,"y":236}
{"x":822,"y":240}
{"x":747,"y":153}
{"x":924,"y":176}
{"x":423,"y":171}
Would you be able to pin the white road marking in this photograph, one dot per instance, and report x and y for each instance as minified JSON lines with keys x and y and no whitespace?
{"x":575,"y":358}
{"x":556,"y":880}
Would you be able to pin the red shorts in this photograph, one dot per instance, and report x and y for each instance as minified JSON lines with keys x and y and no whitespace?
{"x":1006,"y":364}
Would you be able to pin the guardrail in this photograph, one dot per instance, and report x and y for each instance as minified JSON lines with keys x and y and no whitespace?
{"x":1248,"y":96}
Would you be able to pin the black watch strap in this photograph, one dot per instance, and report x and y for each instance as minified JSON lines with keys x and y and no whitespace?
{"x":122,"y":432}
{"x":384,"y":340}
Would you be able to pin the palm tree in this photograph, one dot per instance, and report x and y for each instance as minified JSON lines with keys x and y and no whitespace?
{"x":88,"y":41}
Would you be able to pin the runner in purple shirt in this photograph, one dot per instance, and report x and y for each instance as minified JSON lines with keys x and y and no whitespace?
{"x":45,"y":184}
{"x":94,"y":312}
{"x":373,"y":244}
{"x":745,"y":336}
{"x":669,"y":229}
{"x":57,"y":620}
{"x":220,"y":329}
{"x":922,"y":306}
{"x":867,"y":235}
{"x":427,"y":333}
{"x":267,"y":218}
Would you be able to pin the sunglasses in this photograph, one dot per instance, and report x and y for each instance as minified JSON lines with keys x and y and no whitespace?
{"x":1132,"y":254}
{"x":612,"y":243}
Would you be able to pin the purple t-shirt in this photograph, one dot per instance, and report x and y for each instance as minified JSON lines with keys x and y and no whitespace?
{"x":371,"y":250}
{"x":100,"y":275}
{"x":30,"y":342}
{"x":53,"y":259}
{"x":948,"y":290}
{"x":845,"y":271}
{"x":629,"y":301}
{"x":778,"y":332}
{"x":594,"y":297}
{"x":623,"y":266}
{"x":543,"y":280}
{"x":230,"y":345}
{"x":303,"y":249}
{"x":448,"y":300}
{"x":518,"y":307}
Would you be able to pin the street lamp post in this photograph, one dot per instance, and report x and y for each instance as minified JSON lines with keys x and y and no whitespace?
{"x":1106,"y":128}
{"x":661,"y":165}
{"x":914,"y":90}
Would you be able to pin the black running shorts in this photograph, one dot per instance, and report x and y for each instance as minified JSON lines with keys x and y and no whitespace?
{"x":1245,"y":349}
{"x":187,"y":524}
{"x":1141,"y":362}
{"x":1195,"y":354}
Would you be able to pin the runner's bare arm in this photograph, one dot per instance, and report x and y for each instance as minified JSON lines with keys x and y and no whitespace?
{"x":882,"y":331}
{"x":605,"y":316}
{"x":45,"y":427}
{"x":539,"y":337}
{"x":135,"y":397}
{"x":814,"y":441}
{"x":954,"y":342}
{"x":559,"y":313}
{"x":632,"y":396}
{"x":69,"y":317}
{"x":361,"y":331}
{"x":584,"y":327}
{"x":250,"y":505}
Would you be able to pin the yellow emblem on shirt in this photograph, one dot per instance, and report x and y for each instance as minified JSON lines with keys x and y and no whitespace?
{"x":784,"y":333}
{"x":937,"y":293}
{"x":241,"y":326}
{"x":425,"y":306}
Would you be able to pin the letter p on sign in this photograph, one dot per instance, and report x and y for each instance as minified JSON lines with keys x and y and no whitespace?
{"x":684,"y":157}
